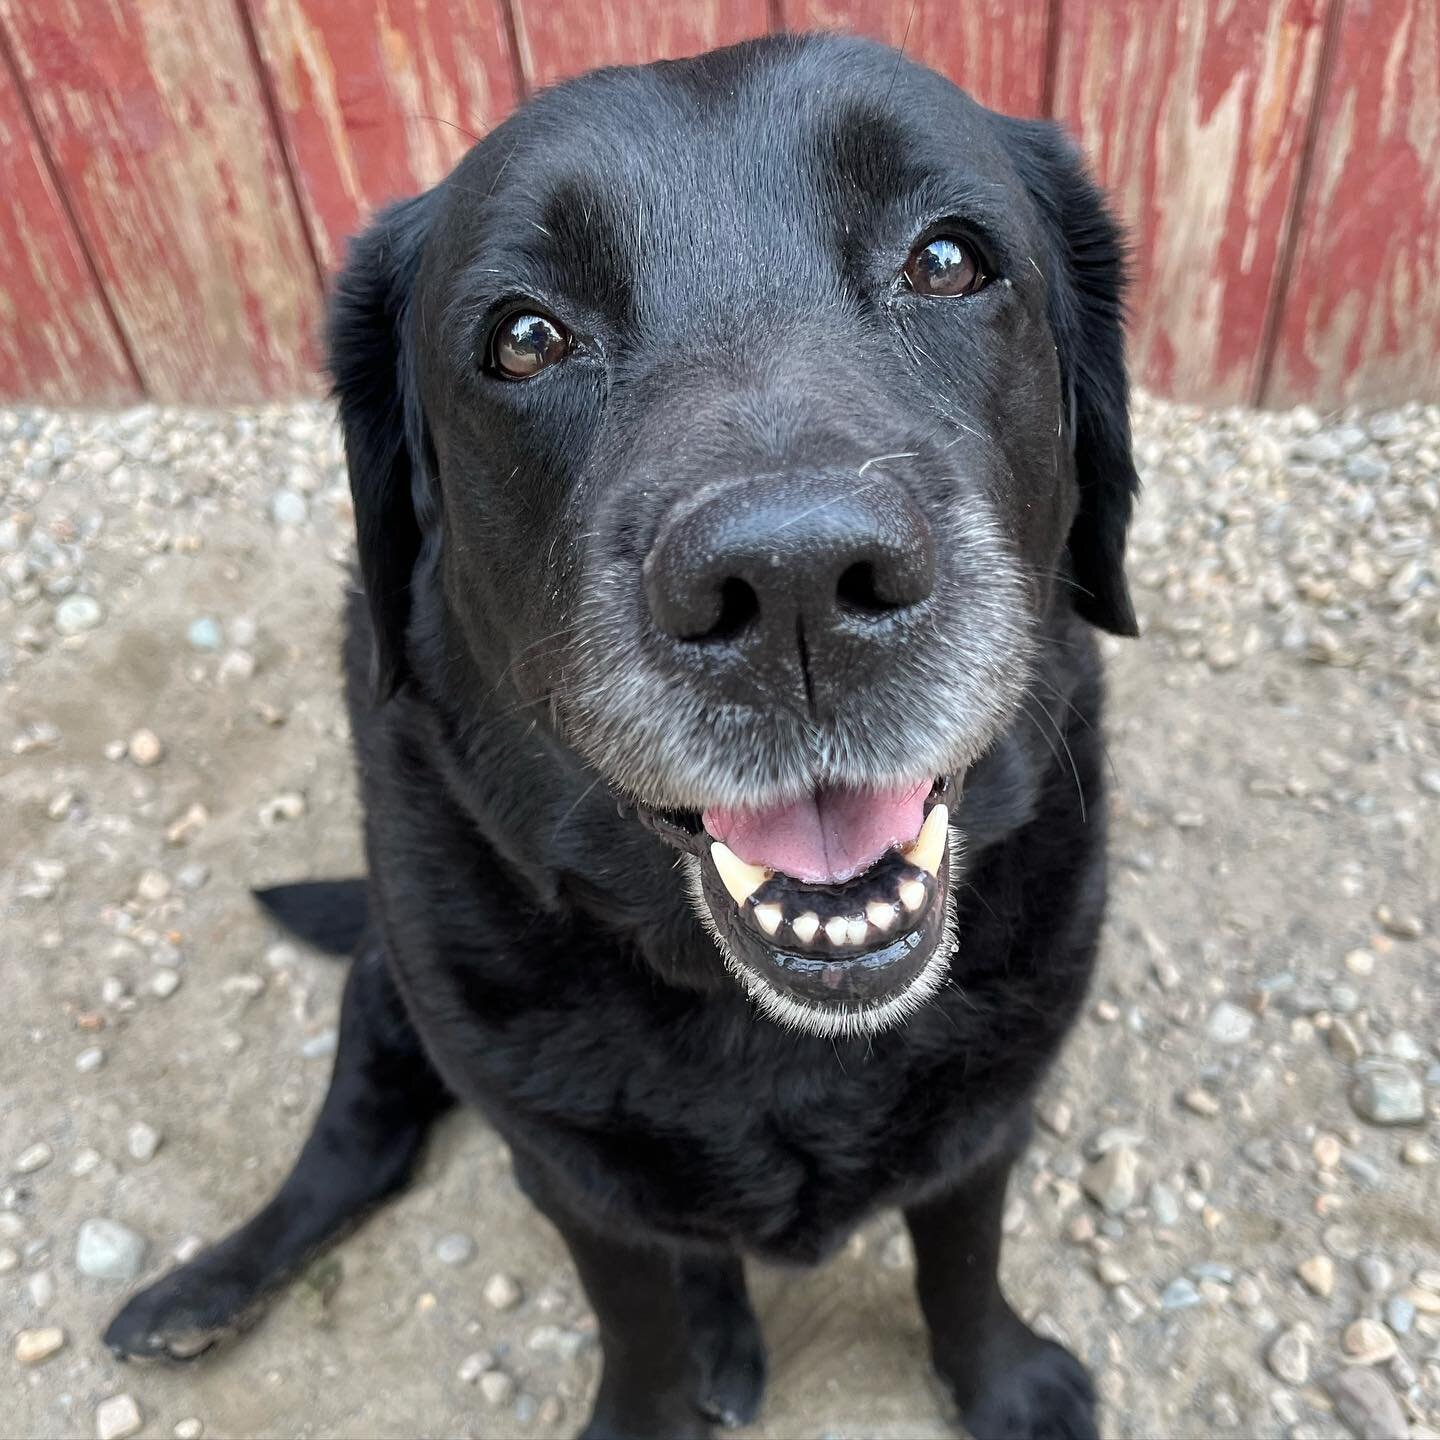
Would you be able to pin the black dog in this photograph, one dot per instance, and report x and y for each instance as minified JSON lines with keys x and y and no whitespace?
{"x":739,"y":448}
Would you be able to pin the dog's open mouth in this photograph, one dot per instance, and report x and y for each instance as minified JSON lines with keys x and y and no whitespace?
{"x":830,"y":909}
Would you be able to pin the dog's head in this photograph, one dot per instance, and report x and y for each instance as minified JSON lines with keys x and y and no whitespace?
{"x":749,"y":416}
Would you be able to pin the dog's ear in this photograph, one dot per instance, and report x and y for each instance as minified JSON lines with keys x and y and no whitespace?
{"x":1087,"y":315}
{"x":372,"y":363}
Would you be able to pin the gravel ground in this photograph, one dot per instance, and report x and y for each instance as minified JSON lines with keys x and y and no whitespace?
{"x":1232,"y":1209}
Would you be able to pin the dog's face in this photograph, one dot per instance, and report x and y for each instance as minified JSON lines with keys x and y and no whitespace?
{"x":749,"y":416}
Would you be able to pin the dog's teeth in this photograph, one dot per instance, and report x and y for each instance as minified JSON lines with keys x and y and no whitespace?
{"x":769,"y":917}
{"x":806,"y":926}
{"x":881,"y":914}
{"x":740,"y":879}
{"x":856,"y":931}
{"x":912,"y":895}
{"x":929,"y":847}
{"x":837,"y":929}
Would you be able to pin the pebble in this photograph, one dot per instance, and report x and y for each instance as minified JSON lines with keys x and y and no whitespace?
{"x":90,"y":1060}
{"x":1110,"y":1181}
{"x":288,"y":805}
{"x":145,"y":748}
{"x":1317,"y":1274}
{"x":107,"y":1250}
{"x":205,"y":634}
{"x":502,"y":1292}
{"x":472,"y":1367}
{"x":1384,"y":1092}
{"x":1180,"y":1294}
{"x":35,"y":1347}
{"x":164,"y":983}
{"x":1368,"y":1405}
{"x":117,"y":1418}
{"x":9,"y":1259}
{"x":1400,"y":1314}
{"x":497,"y":1387}
{"x":289,"y":508}
{"x":1375,"y":1274}
{"x":32,"y":1158}
{"x":1164,"y":1205}
{"x":1289,"y":1355}
{"x":454,"y":1249}
{"x":188,"y":1429}
{"x":1229,"y":1024}
{"x":1368,"y":1342}
{"x":76,"y":614}
{"x":142,"y":1141}
{"x":1200,"y":1101}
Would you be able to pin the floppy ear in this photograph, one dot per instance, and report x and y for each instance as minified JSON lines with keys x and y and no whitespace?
{"x":1087,"y":314}
{"x":372,"y":364}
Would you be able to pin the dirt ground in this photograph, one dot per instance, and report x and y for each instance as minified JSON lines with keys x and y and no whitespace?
{"x":1271,"y":964}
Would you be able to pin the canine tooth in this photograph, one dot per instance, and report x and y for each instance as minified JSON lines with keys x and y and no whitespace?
{"x":881,"y":914}
{"x":856,"y":931}
{"x":769,"y":916}
{"x":740,"y":879}
{"x":837,"y":929}
{"x":806,"y":926}
{"x":912,"y":894}
{"x":929,"y":846}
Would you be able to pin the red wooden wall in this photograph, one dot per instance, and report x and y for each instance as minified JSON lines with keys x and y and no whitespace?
{"x":182,"y":174}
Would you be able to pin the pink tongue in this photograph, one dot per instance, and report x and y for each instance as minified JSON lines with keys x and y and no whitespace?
{"x":825,"y":837}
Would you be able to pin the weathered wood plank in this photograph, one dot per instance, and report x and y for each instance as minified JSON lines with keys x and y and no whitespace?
{"x":158,"y":126}
{"x":995,"y":49}
{"x":57,"y":343}
{"x":563,"y":37}
{"x":1194,"y":115}
{"x":1362,"y":316}
{"x":379,"y":101}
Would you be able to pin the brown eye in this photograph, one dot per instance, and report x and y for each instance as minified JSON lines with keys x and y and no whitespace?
{"x":944,"y":266}
{"x":524,"y":344}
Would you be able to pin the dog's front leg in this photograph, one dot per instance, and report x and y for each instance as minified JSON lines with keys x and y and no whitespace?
{"x":1008,"y":1383}
{"x":647,"y":1382}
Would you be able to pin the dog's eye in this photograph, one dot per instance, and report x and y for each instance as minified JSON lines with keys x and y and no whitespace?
{"x":944,"y":266}
{"x":525,"y":343}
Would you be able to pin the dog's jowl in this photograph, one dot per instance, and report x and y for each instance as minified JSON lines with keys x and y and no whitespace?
{"x":741,"y":471}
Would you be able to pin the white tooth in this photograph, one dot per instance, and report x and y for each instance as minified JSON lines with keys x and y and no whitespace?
{"x":929,"y":846}
{"x":912,"y":895}
{"x":881,"y":914}
{"x":856,"y":931}
{"x":740,"y":879}
{"x":769,"y":916}
{"x":806,"y":926}
{"x":837,"y":929}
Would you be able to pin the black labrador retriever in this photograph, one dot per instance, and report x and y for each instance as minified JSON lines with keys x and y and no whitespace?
{"x":741,"y":459}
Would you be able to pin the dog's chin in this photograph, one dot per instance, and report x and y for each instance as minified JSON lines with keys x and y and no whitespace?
{"x":851,"y":957}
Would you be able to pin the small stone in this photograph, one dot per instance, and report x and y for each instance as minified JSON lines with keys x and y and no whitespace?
{"x":1375,"y":1275}
{"x":1247,"y":1293}
{"x":88,"y":1061}
{"x":145,"y":748}
{"x":1199,"y":1101}
{"x":77,"y":613}
{"x":1110,"y":1181}
{"x":1344,"y":1042}
{"x":1342,"y":1241}
{"x":1368,"y":1342}
{"x":288,"y":805}
{"x":1367,"y":1405}
{"x":107,"y":1250}
{"x":142,"y":1141}
{"x":1289,"y":1355}
{"x":40,"y":1289}
{"x":1056,"y":1117}
{"x":1360,"y":962}
{"x":188,"y":1429}
{"x":205,"y":634}
{"x":35,"y":1347}
{"x":321,"y":1045}
{"x":1164,"y":1205}
{"x":117,"y":1418}
{"x":1180,"y":1294}
{"x":1403,"y":927}
{"x":152,"y":886}
{"x":1326,"y":1150}
{"x":454,"y":1249}
{"x":1317,"y":1274}
{"x":32,"y":1158}
{"x":1229,"y":1024}
{"x":502,"y":1292}
{"x":9,"y":1260}
{"x":1110,"y":1271}
{"x":289,"y":508}
{"x":1400,"y":1314}
{"x":1385,"y":1093}
{"x":472,"y":1367}
{"x":164,"y":983}
{"x":1417,"y":1152}
{"x":1424,"y":1298}
{"x":526,"y":1409}
{"x":497,"y":1387}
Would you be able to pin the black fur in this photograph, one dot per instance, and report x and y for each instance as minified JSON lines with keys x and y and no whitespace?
{"x":723,"y":235}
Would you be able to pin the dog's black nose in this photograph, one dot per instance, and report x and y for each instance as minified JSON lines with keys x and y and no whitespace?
{"x":787,"y":564}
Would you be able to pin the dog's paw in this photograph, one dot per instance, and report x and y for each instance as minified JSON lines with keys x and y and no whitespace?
{"x":732,"y":1375}
{"x":183,"y":1314}
{"x":1040,"y":1393}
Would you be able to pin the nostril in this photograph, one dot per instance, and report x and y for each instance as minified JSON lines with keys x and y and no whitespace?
{"x":739,"y":605}
{"x":856,"y":590}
